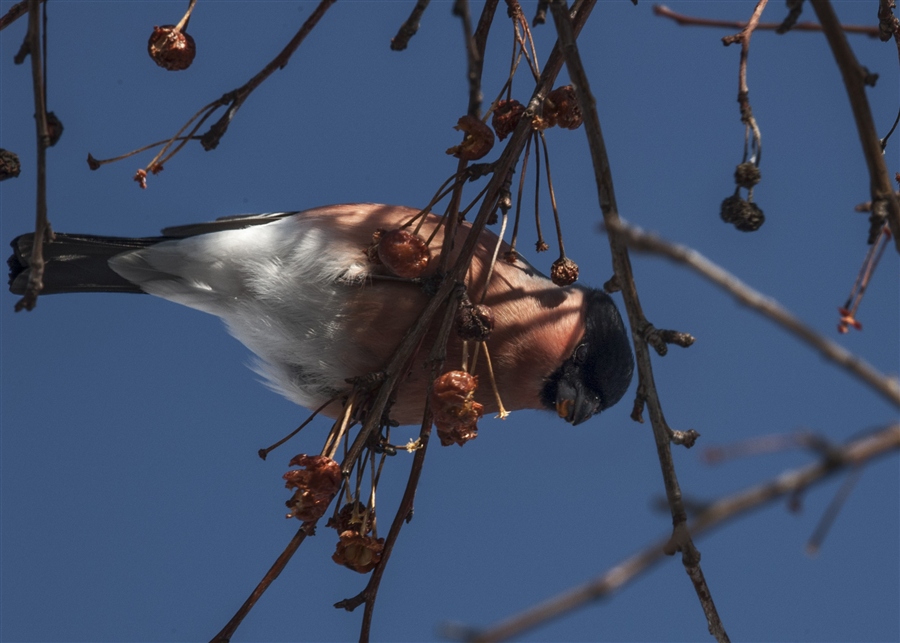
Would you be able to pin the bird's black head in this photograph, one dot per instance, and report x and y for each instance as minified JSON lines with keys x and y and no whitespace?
{"x":598,"y":372}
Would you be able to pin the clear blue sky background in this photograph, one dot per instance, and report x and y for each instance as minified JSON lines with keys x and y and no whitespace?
{"x":134,"y":506}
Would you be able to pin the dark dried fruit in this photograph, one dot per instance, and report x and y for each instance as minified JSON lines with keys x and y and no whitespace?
{"x":752,"y":218}
{"x":171,"y":49}
{"x":456,"y":412}
{"x":744,"y":215}
{"x":478,"y":139}
{"x":9,"y":165}
{"x":564,"y":271}
{"x":561,"y":108}
{"x":357,"y":552}
{"x":474,"y":322}
{"x":315,"y":487}
{"x":506,"y":117}
{"x":54,"y":128}
{"x":747,"y":175}
{"x":403,"y":253}
{"x":351,"y":517}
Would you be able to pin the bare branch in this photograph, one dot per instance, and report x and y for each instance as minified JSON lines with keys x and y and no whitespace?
{"x":888,"y":387}
{"x":622,"y":265}
{"x":277,"y":567}
{"x":853,"y":455}
{"x":884,"y":202}
{"x":41,"y":226}
{"x":409,"y":28}
{"x":691,"y":21}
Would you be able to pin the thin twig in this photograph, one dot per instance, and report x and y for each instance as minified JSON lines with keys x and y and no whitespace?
{"x":41,"y":226}
{"x":884,"y":202}
{"x":474,"y":58}
{"x":681,"y":538}
{"x":409,"y":28}
{"x":747,"y":117}
{"x":831,"y":513}
{"x":15,"y":12}
{"x":691,"y":21}
{"x":277,"y":567}
{"x":235,"y":98}
{"x":508,"y":158}
{"x":405,"y":509}
{"x":888,"y":387}
{"x":854,"y":454}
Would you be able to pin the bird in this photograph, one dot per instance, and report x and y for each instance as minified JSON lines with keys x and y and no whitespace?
{"x":301,"y":291}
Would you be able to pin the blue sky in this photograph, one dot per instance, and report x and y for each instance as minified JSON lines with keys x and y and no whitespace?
{"x":134,"y":506}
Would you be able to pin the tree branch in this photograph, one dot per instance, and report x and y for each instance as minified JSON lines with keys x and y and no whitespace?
{"x":41,"y":226}
{"x":884,"y":202}
{"x":888,"y":387}
{"x":852,"y":455}
{"x":681,"y":538}
{"x":663,"y":11}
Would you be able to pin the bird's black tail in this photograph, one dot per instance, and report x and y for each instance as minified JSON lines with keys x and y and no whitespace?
{"x":74,"y":263}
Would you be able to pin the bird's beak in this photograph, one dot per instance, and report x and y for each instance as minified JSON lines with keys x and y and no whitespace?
{"x":573,"y":405}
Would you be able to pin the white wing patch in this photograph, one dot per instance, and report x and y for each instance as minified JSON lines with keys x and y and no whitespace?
{"x":279,"y":287}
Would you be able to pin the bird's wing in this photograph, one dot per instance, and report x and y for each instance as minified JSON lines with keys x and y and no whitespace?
{"x":233,"y":222}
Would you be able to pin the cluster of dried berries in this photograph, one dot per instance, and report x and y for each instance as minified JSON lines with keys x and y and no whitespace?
{"x":171,"y":48}
{"x":561,"y":108}
{"x":456,"y":412}
{"x":474,"y":323}
{"x":745,"y":215}
{"x":358,"y":552}
{"x":478,"y":139}
{"x":402,"y":252}
{"x":9,"y":165}
{"x":564,"y":271}
{"x":315,"y":487}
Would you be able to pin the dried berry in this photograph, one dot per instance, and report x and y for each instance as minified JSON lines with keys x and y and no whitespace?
{"x":747,"y":175}
{"x":474,"y":322}
{"x":752,"y":218}
{"x":141,"y":178}
{"x":9,"y":165}
{"x":564,"y":271}
{"x":511,"y":256}
{"x":561,"y":108}
{"x":478,"y":139}
{"x":506,"y":117}
{"x":541,"y":246}
{"x":315,"y":487}
{"x":54,"y":128}
{"x":357,"y":552}
{"x":744,"y":215}
{"x":351,"y":517}
{"x":456,"y":412}
{"x":170,"y":48}
{"x":403,"y":253}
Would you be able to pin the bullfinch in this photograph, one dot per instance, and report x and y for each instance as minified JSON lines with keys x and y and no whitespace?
{"x":300,"y":290}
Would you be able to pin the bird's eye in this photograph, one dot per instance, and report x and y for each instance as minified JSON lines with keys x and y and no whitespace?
{"x":580,"y":354}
